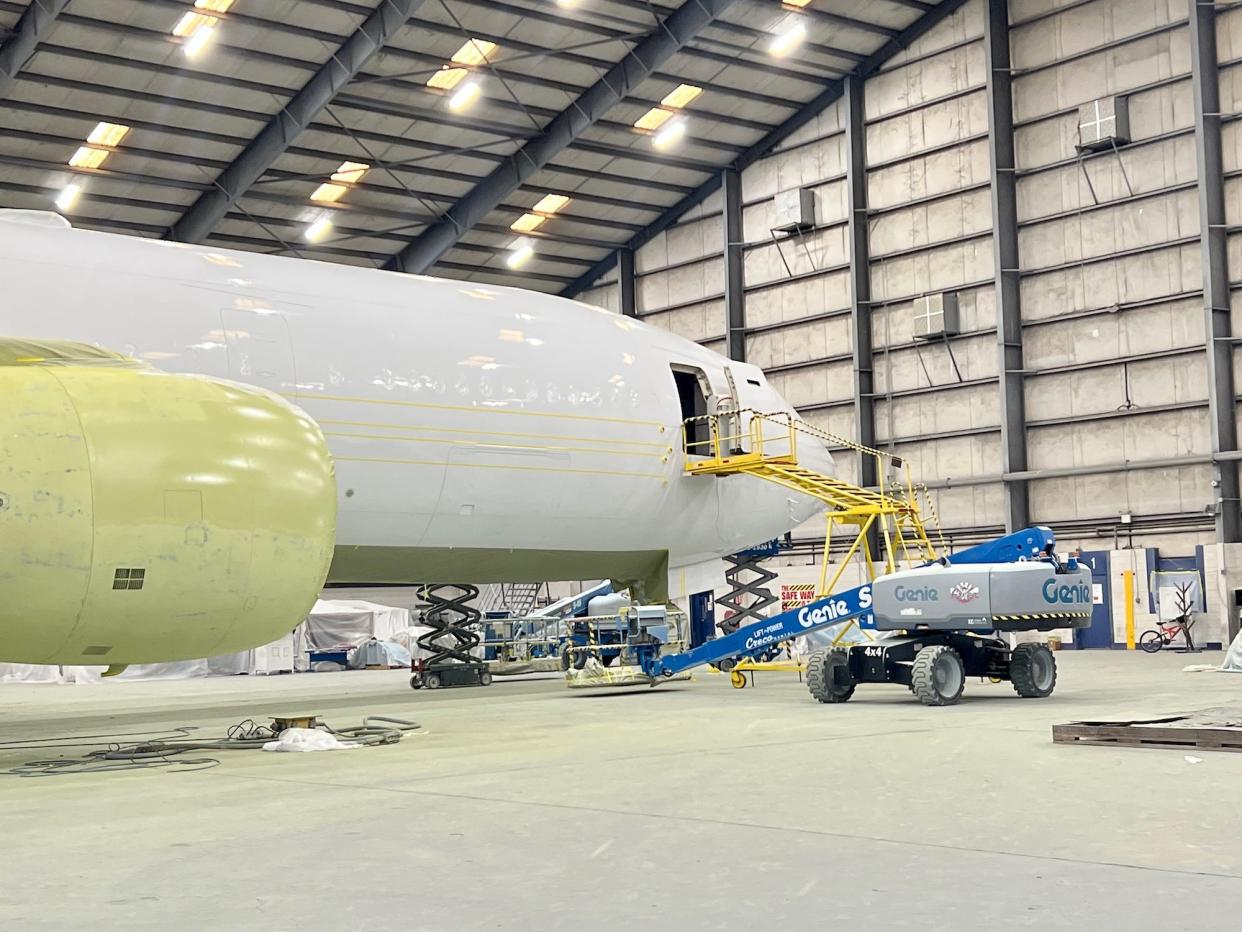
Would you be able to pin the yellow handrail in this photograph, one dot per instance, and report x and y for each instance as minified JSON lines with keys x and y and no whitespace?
{"x":746,"y":446}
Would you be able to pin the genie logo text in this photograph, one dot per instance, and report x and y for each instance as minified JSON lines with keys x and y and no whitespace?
{"x":822,"y":613}
{"x":1074,"y":594}
{"x":916,"y":594}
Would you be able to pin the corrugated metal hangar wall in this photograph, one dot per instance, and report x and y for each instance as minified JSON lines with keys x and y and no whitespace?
{"x":1107,"y":301}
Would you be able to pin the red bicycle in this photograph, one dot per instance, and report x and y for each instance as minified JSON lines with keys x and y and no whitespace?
{"x":1157,"y":638}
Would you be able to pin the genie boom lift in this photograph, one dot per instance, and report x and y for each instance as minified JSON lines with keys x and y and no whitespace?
{"x":938,"y":622}
{"x":944,"y":617}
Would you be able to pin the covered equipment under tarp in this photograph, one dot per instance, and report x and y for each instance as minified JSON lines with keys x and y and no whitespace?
{"x":41,"y":673}
{"x":330,"y":624}
{"x":350,"y":623}
{"x":1233,"y":656}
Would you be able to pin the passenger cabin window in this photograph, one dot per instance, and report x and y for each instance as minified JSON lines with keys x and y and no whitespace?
{"x":693,"y":405}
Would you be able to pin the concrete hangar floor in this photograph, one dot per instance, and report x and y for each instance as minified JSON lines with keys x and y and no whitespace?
{"x":695,"y":806}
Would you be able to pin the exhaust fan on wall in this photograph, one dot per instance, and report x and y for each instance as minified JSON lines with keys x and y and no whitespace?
{"x":1103,"y":124}
{"x":936,"y":316}
{"x":795,"y":210}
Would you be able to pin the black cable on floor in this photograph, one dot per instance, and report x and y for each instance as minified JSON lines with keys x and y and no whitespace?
{"x":246,"y":735}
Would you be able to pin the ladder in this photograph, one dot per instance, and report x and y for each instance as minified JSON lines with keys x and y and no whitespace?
{"x":518,"y":599}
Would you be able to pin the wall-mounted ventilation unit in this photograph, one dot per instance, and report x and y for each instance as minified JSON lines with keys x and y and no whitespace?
{"x":936,"y":316}
{"x":1103,"y":123}
{"x":795,"y":210}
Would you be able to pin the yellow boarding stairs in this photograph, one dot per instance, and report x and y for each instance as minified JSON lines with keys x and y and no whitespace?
{"x":752,"y":443}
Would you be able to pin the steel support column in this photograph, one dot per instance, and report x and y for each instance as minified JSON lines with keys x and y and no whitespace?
{"x":1215,"y":251}
{"x":1006,"y":263}
{"x":860,"y":274}
{"x":35,"y":25}
{"x":627,"y":282}
{"x":339,"y":70}
{"x":734,"y":265}
{"x":651,"y":54}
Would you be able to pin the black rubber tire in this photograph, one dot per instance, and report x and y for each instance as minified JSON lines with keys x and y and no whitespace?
{"x":485,"y":677}
{"x":580,"y":659}
{"x":828,"y":675}
{"x":1033,"y":671}
{"x":1151,"y":641}
{"x":934,"y":690}
{"x":727,"y":665}
{"x":566,"y":659}
{"x":432,"y":681}
{"x":607,"y":659}
{"x":416,"y":682}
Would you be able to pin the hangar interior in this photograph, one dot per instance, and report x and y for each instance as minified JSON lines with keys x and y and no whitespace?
{"x":986,"y":251}
{"x":858,"y":170}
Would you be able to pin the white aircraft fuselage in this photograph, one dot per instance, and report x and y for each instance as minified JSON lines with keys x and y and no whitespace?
{"x":480,"y":433}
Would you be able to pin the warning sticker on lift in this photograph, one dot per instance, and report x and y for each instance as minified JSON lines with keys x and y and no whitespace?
{"x":795,"y":595}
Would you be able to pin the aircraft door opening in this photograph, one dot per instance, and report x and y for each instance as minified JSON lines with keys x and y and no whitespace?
{"x":692,"y":394}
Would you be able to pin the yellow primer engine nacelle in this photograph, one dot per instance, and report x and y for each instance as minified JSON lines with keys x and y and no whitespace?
{"x":147,"y":517}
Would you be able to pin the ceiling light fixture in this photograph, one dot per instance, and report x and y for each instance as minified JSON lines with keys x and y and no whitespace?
{"x":329,"y":193}
{"x":465,"y":96}
{"x":319,"y":229}
{"x":551,"y":203}
{"x":191,"y":23}
{"x":198,"y":27}
{"x":88,"y":157}
{"x":347,"y":175}
{"x":350,"y":172}
{"x":670,"y":135}
{"x":526,"y":223}
{"x":474,"y":52}
{"x":788,"y":39}
{"x":653,"y":119}
{"x":520,"y":254}
{"x":681,"y":96}
{"x":447,"y":78}
{"x":108,"y":134}
{"x":68,"y":197}
{"x":200,"y":40}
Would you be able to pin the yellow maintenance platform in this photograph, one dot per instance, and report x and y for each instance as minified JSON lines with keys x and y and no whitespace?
{"x":753,"y":443}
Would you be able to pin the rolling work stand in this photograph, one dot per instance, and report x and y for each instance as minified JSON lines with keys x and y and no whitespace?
{"x":453,"y":636}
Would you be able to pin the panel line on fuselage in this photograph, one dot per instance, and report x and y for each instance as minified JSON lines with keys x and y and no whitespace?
{"x":525,"y":435}
{"x":302,"y":398}
{"x":506,"y":466}
{"x":543,"y":448}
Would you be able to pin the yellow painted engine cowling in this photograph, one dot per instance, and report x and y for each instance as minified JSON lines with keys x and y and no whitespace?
{"x":147,"y":517}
